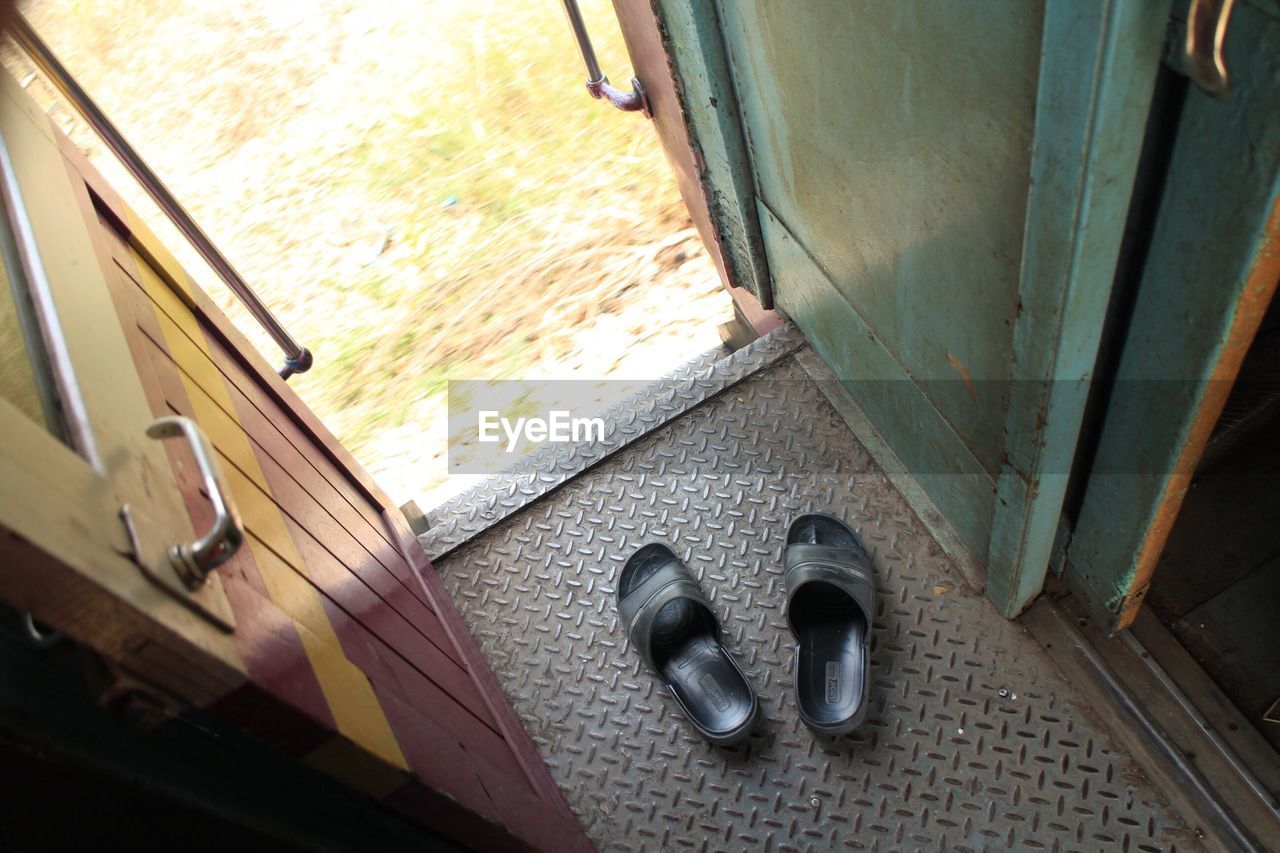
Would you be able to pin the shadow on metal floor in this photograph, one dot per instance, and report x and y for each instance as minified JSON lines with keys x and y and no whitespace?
{"x":973,"y":741}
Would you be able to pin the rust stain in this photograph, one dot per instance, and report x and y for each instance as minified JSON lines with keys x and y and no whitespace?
{"x":1255,"y":297}
{"x":964,"y":374}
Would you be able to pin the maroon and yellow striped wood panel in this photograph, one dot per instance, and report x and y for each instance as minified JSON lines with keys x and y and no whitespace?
{"x":357,"y":662}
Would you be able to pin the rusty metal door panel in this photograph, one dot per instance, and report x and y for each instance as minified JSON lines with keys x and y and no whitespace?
{"x":894,"y":145}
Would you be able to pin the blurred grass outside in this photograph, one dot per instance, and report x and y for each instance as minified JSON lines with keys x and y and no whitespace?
{"x":419,"y":190}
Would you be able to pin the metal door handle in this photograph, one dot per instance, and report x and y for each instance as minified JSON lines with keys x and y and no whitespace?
{"x":194,"y":560}
{"x":597,"y":84}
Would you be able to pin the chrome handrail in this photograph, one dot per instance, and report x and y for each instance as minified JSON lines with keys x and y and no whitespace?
{"x":56,"y":355}
{"x":297,"y":358}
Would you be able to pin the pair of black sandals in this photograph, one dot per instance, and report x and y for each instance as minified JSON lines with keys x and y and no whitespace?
{"x":830,"y":599}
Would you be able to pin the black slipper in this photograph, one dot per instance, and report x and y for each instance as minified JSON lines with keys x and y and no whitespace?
{"x":672,"y":626}
{"x":830,"y":599}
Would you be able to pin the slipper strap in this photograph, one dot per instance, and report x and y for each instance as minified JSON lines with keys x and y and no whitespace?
{"x":640,"y":607}
{"x":848,"y":568}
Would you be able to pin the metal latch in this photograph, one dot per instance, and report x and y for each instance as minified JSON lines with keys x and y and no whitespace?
{"x":194,"y":560}
{"x":184,"y":570}
{"x":1198,"y":52}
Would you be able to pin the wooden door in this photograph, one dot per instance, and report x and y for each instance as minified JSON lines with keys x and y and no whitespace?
{"x":88,"y":502}
{"x":327,"y":633}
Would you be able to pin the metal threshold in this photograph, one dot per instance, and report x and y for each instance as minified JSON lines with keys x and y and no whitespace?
{"x":976,"y":738}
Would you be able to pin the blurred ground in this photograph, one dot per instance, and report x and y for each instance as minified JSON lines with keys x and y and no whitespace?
{"x":420,"y":189}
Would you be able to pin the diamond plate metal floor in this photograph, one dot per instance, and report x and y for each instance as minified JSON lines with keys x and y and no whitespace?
{"x":974,"y":740}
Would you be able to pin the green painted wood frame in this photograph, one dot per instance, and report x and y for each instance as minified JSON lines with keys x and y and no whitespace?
{"x":1209,"y":276}
{"x":692,"y":39}
{"x":1097,"y":76}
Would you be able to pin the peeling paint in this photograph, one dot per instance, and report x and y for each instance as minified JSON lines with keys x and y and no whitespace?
{"x":964,"y":374}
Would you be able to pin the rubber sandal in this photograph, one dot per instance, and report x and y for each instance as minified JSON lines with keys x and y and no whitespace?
{"x":672,"y":626}
{"x":830,"y":599}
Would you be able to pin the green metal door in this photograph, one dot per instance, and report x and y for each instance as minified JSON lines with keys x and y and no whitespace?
{"x":942,"y":191}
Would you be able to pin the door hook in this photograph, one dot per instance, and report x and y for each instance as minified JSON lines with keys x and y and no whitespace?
{"x":637,"y":100}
